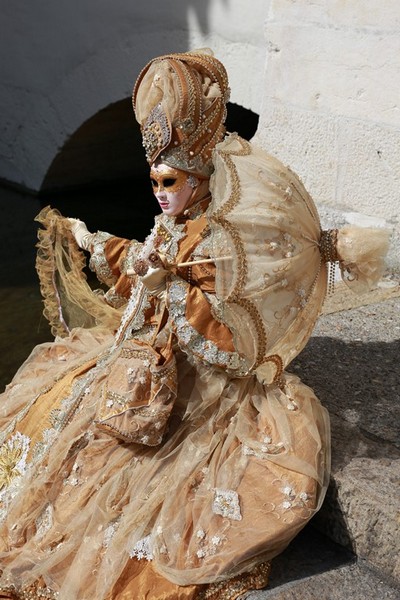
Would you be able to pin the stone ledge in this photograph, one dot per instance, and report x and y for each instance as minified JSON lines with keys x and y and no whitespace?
{"x":345,"y":299}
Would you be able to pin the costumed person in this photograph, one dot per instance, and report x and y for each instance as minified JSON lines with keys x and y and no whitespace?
{"x":158,"y":448}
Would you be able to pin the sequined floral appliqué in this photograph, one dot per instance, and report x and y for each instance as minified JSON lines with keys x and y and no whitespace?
{"x":226,"y":504}
{"x":13,"y":455}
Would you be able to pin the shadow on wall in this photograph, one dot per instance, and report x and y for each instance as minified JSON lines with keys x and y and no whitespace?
{"x":200,"y":7}
{"x":101,"y":174}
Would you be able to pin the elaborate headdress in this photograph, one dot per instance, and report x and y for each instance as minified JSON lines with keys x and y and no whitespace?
{"x":180,"y":103}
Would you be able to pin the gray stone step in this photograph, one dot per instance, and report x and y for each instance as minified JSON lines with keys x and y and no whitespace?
{"x":352,"y":582}
{"x":314,"y":568}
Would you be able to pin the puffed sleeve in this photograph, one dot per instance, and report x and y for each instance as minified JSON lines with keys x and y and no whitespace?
{"x":110,"y":259}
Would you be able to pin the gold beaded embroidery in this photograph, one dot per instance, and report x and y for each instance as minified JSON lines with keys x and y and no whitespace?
{"x":36,"y":591}
{"x":134,"y":353}
{"x":163,"y":233}
{"x":13,"y":458}
{"x":233,"y":588}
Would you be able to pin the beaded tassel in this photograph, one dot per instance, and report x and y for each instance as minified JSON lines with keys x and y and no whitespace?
{"x":329,"y":254}
{"x":331,"y":278}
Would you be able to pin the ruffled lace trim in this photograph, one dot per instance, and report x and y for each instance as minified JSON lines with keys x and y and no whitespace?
{"x":191,"y":341}
{"x":54,"y":228}
{"x":68,"y":299}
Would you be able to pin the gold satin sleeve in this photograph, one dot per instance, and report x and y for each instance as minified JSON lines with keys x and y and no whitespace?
{"x":115,"y":251}
{"x":201,"y":280}
{"x":189,"y":299}
{"x":108,"y":260}
{"x":198,"y":332}
{"x":198,"y":314}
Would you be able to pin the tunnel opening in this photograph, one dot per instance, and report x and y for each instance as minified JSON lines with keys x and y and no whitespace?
{"x":100,"y":175}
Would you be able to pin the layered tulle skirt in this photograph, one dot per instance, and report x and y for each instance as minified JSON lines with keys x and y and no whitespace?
{"x":239,"y":471}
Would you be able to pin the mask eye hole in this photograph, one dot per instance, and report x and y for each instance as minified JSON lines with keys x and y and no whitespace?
{"x":154,"y":183}
{"x":169,"y":182}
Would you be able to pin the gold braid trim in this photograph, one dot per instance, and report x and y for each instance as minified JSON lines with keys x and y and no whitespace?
{"x":220,"y":217}
{"x":328,"y":245}
{"x":242,"y":266}
{"x":257,"y":320}
{"x":234,"y":197}
{"x":276,"y":359}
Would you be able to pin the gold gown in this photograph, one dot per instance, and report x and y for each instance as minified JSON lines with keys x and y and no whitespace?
{"x":140,"y":457}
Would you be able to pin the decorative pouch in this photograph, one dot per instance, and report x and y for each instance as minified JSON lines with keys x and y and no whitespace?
{"x":138,"y":395}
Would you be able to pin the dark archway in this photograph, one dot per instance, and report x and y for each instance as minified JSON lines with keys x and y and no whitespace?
{"x":101,"y":176}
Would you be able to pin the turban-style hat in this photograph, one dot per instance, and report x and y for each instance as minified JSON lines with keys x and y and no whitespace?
{"x":180,"y":103}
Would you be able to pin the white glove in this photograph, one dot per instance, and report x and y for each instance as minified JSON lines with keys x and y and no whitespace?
{"x":81,"y":234}
{"x":155,"y":282}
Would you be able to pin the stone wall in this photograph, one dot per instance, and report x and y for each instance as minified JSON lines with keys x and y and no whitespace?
{"x":66,"y":61}
{"x":331,"y":105}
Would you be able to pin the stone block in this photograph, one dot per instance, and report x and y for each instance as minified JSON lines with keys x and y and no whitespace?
{"x":359,"y":14}
{"x":361,"y":512}
{"x":314,"y":568}
{"x":369,"y":169}
{"x":305,"y":141}
{"x":364,"y":14}
{"x":355,"y":582}
{"x":340,"y":71}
